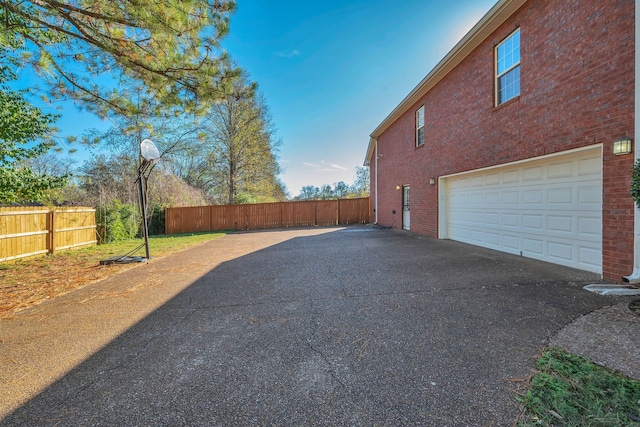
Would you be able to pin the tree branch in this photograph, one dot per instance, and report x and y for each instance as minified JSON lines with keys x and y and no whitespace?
{"x":72,"y":81}
{"x":52,"y":4}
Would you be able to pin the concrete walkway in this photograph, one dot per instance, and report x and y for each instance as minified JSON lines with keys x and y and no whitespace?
{"x":323,"y":326}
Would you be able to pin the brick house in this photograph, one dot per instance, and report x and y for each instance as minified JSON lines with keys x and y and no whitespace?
{"x":516,"y":140}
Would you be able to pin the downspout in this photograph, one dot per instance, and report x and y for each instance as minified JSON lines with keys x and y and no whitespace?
{"x":376,"y":208}
{"x":635,"y":275}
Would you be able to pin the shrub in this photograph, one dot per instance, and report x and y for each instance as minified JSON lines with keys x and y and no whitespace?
{"x":635,"y":183}
{"x":118,"y":221}
{"x":245,"y":199}
{"x":156,"y":225}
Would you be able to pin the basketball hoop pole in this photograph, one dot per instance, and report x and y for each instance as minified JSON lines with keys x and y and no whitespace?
{"x":150,"y":155}
{"x":143,"y":205}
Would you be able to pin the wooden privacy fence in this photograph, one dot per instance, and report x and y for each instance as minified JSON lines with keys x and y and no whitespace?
{"x":267,"y":215}
{"x":30,"y":231}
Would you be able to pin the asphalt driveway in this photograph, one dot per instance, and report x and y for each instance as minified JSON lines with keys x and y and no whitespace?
{"x":325,"y":326}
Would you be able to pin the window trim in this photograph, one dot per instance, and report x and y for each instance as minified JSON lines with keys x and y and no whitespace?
{"x":497,"y":75}
{"x":419,"y":111}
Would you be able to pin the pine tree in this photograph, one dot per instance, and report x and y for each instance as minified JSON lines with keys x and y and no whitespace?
{"x":86,"y":50}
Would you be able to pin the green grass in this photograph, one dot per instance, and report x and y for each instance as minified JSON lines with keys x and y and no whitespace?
{"x":158,"y":245}
{"x":571,"y":391}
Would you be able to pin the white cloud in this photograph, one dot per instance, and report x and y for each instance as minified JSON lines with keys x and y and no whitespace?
{"x":325,"y":166}
{"x":289,"y":54}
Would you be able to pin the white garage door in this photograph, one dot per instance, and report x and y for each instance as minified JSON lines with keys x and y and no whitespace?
{"x":548,"y":209}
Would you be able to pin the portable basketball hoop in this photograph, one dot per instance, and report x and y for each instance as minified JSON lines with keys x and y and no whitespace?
{"x":150,"y":155}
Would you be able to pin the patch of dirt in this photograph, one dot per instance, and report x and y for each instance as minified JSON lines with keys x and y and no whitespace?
{"x":28,"y":283}
{"x":608,"y":336}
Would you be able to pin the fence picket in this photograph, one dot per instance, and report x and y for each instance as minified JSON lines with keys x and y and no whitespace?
{"x":26,"y":232}
{"x":267,"y":215}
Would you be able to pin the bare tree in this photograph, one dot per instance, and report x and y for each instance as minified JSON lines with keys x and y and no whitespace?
{"x":340,"y":190}
{"x":309,"y":192}
{"x":361,"y":183}
{"x":240,"y":150}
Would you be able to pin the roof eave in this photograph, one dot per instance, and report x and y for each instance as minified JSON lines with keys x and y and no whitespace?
{"x":370,"y":151}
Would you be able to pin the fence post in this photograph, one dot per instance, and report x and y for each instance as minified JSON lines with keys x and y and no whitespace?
{"x":166,"y":216}
{"x":52,"y":231}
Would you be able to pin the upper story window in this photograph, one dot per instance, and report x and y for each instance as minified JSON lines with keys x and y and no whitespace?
{"x":508,"y":68}
{"x":420,"y":126}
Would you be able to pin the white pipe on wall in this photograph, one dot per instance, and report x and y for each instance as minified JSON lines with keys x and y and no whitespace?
{"x":376,"y":181}
{"x":635,"y":275}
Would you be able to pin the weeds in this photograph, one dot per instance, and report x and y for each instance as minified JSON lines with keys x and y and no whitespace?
{"x":571,"y":391}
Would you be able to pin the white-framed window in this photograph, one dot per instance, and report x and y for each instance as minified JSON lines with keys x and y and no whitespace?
{"x":508,"y":68}
{"x":420,"y":126}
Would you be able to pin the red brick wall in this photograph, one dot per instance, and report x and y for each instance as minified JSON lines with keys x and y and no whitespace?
{"x":577,"y":89}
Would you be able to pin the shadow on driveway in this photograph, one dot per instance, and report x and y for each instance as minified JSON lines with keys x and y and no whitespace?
{"x":352,"y":326}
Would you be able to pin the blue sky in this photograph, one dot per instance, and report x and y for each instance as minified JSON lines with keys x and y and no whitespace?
{"x":331,"y":71}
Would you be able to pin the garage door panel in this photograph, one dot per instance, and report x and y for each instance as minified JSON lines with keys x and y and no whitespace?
{"x":533,"y":247}
{"x":511,"y":242}
{"x":591,"y":166}
{"x":560,"y":251}
{"x":493,"y":238}
{"x":563,"y":196}
{"x":492,"y":179}
{"x":590,"y":258}
{"x":477,"y":217}
{"x":532,"y":197}
{"x":492,"y":198}
{"x":533,"y":174}
{"x":545,"y":209}
{"x":561,"y":223}
{"x":532,"y":221}
{"x":460,"y":198}
{"x":477,"y":236}
{"x":510,"y":220}
{"x":510,"y":197}
{"x":476,"y":182}
{"x":590,"y":227}
{"x":460,"y":233}
{"x":510,"y":177}
{"x":590,"y":195}
{"x":492,"y":218}
{"x":560,"y":170}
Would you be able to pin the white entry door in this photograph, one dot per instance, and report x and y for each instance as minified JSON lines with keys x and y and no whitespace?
{"x":549,"y":209}
{"x":406,"y":209}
